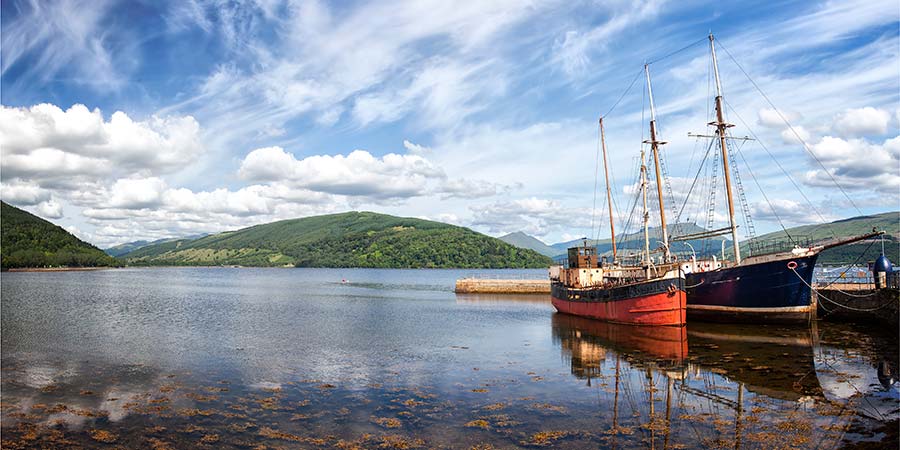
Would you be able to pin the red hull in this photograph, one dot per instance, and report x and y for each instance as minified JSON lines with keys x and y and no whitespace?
{"x":664,"y":308}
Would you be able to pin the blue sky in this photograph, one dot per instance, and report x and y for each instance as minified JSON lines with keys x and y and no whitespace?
{"x":131,"y":120}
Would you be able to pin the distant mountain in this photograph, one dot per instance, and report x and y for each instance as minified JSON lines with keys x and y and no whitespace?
{"x":633,"y":243}
{"x":860,"y":252}
{"x":29,"y":241}
{"x":353,"y":239}
{"x":129,"y":247}
{"x":522,"y":240}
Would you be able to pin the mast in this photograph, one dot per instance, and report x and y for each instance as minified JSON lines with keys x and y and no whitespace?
{"x":654,"y":146}
{"x":646,"y":213}
{"x":612,"y":228}
{"x":721,"y":126}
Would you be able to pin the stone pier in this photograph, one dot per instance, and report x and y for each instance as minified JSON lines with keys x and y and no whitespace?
{"x":500,"y":286}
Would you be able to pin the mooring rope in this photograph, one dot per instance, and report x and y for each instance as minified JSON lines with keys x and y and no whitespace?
{"x":886,"y":304}
{"x":843,"y":272}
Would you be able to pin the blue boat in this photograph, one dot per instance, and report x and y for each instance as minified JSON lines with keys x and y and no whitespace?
{"x":773,"y":290}
{"x":771,"y":287}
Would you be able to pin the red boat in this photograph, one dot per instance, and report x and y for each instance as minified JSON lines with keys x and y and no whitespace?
{"x":616,"y":294}
{"x":640,"y":294}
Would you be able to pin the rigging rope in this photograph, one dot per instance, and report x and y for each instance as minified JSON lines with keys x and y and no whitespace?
{"x":791,"y":127}
{"x":793,"y":269}
{"x":624,"y":93}
{"x":852,"y":264}
{"x":696,"y":177}
{"x":678,"y":51}
{"x":785,"y":172}
{"x":766,"y":197}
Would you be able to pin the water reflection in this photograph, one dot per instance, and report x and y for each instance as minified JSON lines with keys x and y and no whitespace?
{"x":294,"y":358}
{"x":777,"y":362}
{"x":735,"y":386}
{"x":585,"y":343}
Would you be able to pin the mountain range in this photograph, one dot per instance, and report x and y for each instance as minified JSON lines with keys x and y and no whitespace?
{"x":366,"y":239}
{"x":859,"y":252}
{"x":630,"y":243}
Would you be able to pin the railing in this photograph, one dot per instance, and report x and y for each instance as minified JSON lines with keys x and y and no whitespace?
{"x":842,"y":275}
{"x":857,"y":275}
{"x":781,"y":244}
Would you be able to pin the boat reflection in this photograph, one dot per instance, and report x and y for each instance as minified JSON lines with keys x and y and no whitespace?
{"x":501,"y":299}
{"x":725,"y":377}
{"x":585,"y":343}
{"x":775,"y":361}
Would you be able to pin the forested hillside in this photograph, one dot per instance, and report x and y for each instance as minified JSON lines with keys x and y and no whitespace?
{"x":29,"y":241}
{"x":354,"y":239}
{"x":860,"y":252}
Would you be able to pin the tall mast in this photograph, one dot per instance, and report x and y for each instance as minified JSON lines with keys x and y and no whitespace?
{"x":721,"y":126}
{"x":654,"y":146}
{"x":646,"y":213}
{"x":612,"y":228}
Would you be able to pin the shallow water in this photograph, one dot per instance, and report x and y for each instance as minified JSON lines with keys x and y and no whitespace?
{"x":236,"y":358}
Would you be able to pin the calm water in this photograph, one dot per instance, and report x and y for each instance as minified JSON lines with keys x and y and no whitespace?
{"x":235,"y":358}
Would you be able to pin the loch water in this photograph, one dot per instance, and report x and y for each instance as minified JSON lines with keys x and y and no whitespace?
{"x":358,"y":358}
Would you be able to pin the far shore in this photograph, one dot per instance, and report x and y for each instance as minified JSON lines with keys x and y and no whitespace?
{"x":56,"y":269}
{"x":84,"y":269}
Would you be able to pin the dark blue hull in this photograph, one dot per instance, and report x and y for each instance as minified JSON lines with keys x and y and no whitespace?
{"x":767,"y":291}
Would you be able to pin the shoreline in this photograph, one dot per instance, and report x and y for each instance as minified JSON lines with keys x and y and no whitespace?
{"x":85,"y":269}
{"x":57,"y":269}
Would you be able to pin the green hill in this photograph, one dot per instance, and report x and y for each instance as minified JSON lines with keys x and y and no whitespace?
{"x":128,"y":247}
{"x":353,"y":239}
{"x":862,"y":252}
{"x":522,"y":240}
{"x":29,"y":241}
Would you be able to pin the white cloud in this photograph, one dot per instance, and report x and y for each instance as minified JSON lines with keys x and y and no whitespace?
{"x":356,"y":174}
{"x":26,"y":194}
{"x":862,"y":122}
{"x":535,"y":216}
{"x":788,"y":212}
{"x":50,"y":209}
{"x":415,"y":149}
{"x":771,"y":118}
{"x":464,"y":188}
{"x":795,"y":135}
{"x":137,"y":193}
{"x":44,"y":142}
{"x":857,"y":164}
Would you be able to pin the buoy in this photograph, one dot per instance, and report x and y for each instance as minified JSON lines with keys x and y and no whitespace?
{"x":881,"y":269}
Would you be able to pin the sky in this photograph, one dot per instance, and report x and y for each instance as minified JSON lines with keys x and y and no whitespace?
{"x":136,"y":120}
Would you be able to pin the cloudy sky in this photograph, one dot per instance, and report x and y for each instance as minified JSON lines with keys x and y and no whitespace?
{"x":142,"y":120}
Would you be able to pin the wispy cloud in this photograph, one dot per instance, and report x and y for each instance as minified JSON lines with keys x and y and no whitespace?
{"x":65,"y":37}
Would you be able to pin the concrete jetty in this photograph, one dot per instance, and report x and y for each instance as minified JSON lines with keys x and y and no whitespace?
{"x":475,"y":285}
